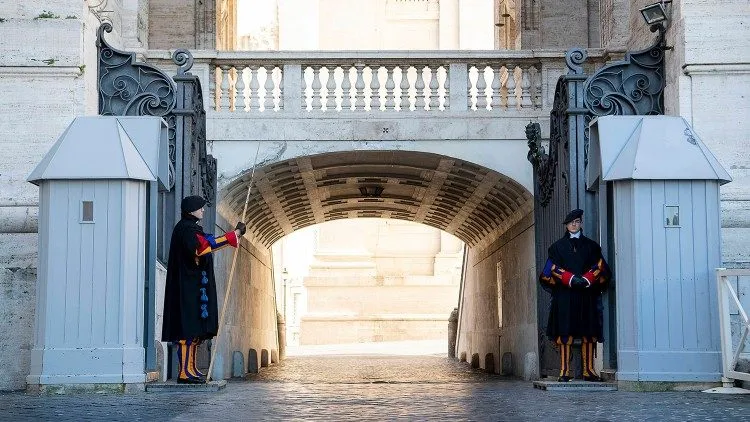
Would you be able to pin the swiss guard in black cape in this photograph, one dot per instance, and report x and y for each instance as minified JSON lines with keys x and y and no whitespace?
{"x":575,"y":274}
{"x":190,"y":309}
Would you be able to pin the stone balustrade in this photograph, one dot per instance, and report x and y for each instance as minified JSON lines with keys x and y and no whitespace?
{"x":497,"y":82}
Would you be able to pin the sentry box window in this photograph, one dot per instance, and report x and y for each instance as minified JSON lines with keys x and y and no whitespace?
{"x":671,"y":216}
{"x":87,"y":211}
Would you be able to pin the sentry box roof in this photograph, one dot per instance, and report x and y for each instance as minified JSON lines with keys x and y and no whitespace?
{"x":649,"y":147}
{"x":107,"y":147}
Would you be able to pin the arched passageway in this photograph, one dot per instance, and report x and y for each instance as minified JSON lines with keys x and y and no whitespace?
{"x":490,"y":212}
{"x":473,"y":203}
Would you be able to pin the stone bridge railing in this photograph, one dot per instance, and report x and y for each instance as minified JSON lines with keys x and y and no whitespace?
{"x":498,"y":82}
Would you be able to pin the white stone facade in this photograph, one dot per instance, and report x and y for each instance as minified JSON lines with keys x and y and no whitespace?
{"x":708,"y":83}
{"x":393,"y":281}
{"x":48,"y":76}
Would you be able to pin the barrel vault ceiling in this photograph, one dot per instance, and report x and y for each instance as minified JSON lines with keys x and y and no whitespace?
{"x":461,"y":198}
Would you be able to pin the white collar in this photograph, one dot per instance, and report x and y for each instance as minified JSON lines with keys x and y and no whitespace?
{"x":576,"y":235}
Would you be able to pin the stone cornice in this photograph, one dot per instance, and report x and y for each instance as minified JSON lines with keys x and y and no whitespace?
{"x":706,"y":68}
{"x":42,"y":71}
{"x":380,"y":55}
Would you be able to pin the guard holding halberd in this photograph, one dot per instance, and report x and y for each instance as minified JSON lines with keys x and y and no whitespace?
{"x":190,"y":307}
{"x":575,"y":274}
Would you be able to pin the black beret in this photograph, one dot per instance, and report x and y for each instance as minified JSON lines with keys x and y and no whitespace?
{"x":573,"y":215}
{"x":192,"y":203}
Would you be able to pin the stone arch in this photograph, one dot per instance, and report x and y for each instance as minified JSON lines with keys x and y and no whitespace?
{"x":475,"y":203}
{"x":467,"y":193}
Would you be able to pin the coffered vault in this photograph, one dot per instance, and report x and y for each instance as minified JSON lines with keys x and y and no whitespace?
{"x":472,"y":202}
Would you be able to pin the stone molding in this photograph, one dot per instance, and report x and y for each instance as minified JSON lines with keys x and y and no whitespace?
{"x":39,"y":71}
{"x":715,"y":68}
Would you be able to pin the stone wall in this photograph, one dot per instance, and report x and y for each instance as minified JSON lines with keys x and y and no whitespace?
{"x":47,"y":76}
{"x":710,"y":71}
{"x":250,"y":320}
{"x":708,"y":83}
{"x":480,"y":332}
{"x":182,"y":24}
{"x":559,"y":24}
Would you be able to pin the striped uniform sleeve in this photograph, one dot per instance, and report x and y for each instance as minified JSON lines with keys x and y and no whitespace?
{"x":207,"y":243}
{"x":598,"y":274}
{"x":553,"y":274}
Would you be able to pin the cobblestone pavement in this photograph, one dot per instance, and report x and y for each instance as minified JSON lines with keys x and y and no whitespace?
{"x":363,"y":388}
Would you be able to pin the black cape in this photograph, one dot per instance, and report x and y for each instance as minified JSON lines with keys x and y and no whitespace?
{"x":182,"y":304}
{"x":576,"y":312}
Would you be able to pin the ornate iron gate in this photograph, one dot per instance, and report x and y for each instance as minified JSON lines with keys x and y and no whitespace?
{"x":632,"y":86}
{"x":130,"y":88}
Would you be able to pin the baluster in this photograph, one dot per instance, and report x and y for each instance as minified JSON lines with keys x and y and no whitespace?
{"x":536,"y":88}
{"x":306,"y":94}
{"x":511,"y":85}
{"x":316,"y":87}
{"x":254,"y":92}
{"x":225,"y":88}
{"x":481,"y":88}
{"x":359,"y":88}
{"x":419,"y":94}
{"x":471,"y":91}
{"x":526,"y":88}
{"x":447,"y":93}
{"x":331,"y":89}
{"x":268,"y":103}
{"x":375,"y":88}
{"x":434,"y":85}
{"x":346,"y":87}
{"x":390,"y":85}
{"x":280,"y":91}
{"x":212,"y":93}
{"x":239,"y":89}
{"x":496,"y":101}
{"x":404,"y":85}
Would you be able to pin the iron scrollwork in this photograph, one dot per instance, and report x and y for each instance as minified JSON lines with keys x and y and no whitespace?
{"x":203,"y":164}
{"x":545,"y":165}
{"x":632,"y":86}
{"x":130,"y":88}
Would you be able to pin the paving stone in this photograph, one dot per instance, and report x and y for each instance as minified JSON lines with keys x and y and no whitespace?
{"x":366,"y":388}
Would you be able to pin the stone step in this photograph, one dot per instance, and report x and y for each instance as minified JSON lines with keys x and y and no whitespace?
{"x":575,"y":385}
{"x":171,"y":386}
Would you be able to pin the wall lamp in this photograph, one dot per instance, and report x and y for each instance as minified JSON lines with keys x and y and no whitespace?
{"x":655,"y":13}
{"x":372,"y":191}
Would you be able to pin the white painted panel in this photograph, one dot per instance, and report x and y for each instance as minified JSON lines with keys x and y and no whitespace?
{"x":644,"y":265}
{"x":86,"y":248}
{"x":713,"y":241}
{"x":72,"y":264}
{"x":114,"y":263}
{"x":688,"y":250}
{"x":626,"y":286}
{"x":659,"y":241}
{"x":140,"y":281}
{"x":133,"y":254}
{"x":42,"y":287}
{"x":128,"y":253}
{"x":673,"y":268}
{"x":100,"y":264}
{"x":703,"y":273}
{"x":57,"y":270}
